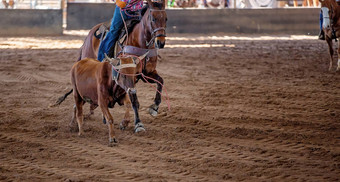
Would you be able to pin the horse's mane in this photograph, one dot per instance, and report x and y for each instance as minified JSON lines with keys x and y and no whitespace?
{"x":143,"y":10}
{"x":146,"y":7}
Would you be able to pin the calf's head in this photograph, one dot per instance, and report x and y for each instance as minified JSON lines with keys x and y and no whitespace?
{"x":128,"y":68}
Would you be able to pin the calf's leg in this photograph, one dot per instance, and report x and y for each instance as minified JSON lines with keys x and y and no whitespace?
{"x":79,"y":111}
{"x":126,"y":119}
{"x":103,"y":101}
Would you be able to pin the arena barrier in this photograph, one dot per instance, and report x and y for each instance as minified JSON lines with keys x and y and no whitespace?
{"x":86,"y":15}
{"x":26,"y":22}
{"x":285,"y":21}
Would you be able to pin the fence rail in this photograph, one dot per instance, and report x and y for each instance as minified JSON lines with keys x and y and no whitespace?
{"x":31,"y":4}
{"x":170,"y":4}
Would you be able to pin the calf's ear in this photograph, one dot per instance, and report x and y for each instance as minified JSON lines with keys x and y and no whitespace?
{"x":140,"y":58}
{"x":113,"y":61}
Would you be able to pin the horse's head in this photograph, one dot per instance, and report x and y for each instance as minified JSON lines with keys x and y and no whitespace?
{"x":156,"y":18}
{"x":328,"y":7}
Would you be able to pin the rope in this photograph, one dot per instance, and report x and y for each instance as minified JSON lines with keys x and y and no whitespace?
{"x":127,"y":32}
{"x":167,"y":99}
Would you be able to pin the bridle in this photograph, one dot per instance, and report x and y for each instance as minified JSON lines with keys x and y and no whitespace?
{"x":154,"y":31}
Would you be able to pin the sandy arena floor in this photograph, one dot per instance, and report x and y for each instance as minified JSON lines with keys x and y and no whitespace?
{"x":243,"y":108}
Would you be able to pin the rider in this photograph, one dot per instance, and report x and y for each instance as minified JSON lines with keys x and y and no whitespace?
{"x":126,"y":9}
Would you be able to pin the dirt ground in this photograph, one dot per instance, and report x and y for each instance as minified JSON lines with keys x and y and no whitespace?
{"x":243,"y":108}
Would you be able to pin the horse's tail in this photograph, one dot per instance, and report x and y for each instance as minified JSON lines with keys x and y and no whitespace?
{"x":61,"y":99}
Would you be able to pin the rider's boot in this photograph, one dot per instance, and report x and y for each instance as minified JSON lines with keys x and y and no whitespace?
{"x":322,"y":35}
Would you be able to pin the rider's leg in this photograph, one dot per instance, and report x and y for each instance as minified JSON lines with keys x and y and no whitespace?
{"x":321,"y":34}
{"x":112,"y":35}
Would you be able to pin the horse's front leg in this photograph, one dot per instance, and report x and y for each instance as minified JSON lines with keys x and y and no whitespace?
{"x":135,"y":106}
{"x":153,"y":109}
{"x":331,"y":52}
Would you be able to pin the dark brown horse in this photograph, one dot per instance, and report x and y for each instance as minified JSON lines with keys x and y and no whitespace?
{"x":331,"y":23}
{"x":150,"y":31}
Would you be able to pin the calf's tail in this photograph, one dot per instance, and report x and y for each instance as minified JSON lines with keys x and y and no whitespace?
{"x":61,"y":99}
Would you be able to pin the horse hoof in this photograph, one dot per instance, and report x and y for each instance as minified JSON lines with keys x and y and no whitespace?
{"x":113,"y":142}
{"x":153,"y":110}
{"x":139,"y":128}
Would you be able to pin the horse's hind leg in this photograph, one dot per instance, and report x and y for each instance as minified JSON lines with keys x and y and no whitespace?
{"x":331,"y":52}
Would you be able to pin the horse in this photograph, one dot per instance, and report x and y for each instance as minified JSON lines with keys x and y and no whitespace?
{"x":145,"y":35}
{"x":93,"y":82}
{"x":331,"y":23}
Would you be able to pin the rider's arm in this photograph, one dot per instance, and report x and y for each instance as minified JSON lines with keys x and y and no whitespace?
{"x":121,"y":3}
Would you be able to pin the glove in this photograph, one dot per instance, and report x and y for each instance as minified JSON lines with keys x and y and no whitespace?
{"x":120,"y":3}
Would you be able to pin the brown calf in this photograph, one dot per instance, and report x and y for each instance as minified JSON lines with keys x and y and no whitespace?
{"x":92,"y":82}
